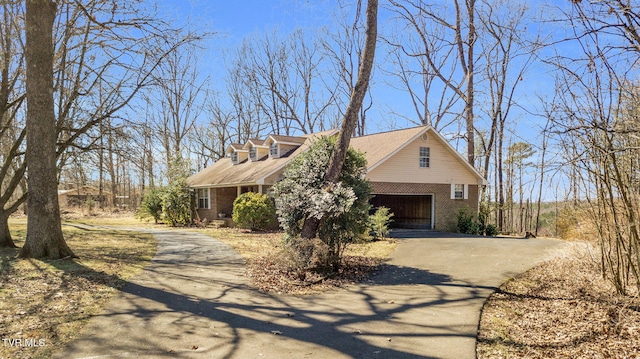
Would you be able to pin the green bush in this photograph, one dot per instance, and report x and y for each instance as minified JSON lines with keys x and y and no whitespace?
{"x":253,"y":211}
{"x":379,"y":222}
{"x":151,"y":205}
{"x":491,"y":230}
{"x":343,"y":207}
{"x":467,"y":223}
{"x":176,"y":203}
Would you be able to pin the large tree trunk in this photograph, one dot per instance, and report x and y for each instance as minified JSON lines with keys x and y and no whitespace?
{"x":44,"y":230}
{"x":350,"y":120}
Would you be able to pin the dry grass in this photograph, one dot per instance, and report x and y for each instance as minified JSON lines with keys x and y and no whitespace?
{"x":47,"y":302}
{"x":560,"y":309}
{"x":266,"y":266}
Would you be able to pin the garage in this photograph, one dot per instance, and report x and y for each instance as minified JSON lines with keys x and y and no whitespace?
{"x":410,"y":211}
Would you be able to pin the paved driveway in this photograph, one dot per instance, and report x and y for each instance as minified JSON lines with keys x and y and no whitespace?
{"x":193,"y":301}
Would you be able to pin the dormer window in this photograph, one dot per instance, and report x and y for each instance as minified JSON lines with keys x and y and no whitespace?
{"x":234,"y":157}
{"x":273,"y":150}
{"x":253,"y":154}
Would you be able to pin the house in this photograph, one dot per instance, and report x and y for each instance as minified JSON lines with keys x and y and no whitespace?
{"x":414,"y":172}
{"x":77,"y":197}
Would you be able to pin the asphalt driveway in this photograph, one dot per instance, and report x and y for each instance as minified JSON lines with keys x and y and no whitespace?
{"x":193,"y":301}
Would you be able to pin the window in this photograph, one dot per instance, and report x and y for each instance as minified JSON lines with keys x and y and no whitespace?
{"x":253,"y":153}
{"x":459,"y":191}
{"x":273,"y":150}
{"x":424,"y":157}
{"x":203,"y":198}
{"x":234,"y":157}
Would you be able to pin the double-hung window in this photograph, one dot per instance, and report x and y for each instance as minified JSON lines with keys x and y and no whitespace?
{"x":424,"y":157}
{"x":203,"y":198}
{"x":253,"y":153}
{"x":459,"y":191}
{"x":273,"y":150}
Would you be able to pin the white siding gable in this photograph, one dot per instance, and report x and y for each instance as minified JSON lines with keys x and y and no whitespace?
{"x":404,"y":166}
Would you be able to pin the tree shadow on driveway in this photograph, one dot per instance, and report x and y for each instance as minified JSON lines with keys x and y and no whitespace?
{"x":187,"y":304}
{"x":239,"y":322}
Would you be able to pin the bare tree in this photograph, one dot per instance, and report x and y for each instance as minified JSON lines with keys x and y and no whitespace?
{"x":177,"y":104}
{"x":508,"y":51}
{"x":12,"y":132}
{"x":598,"y":97}
{"x":105,"y":52}
{"x":416,"y":46}
{"x":343,"y":44}
{"x":349,"y":122}
{"x":283,"y":74}
{"x":44,"y":230}
{"x":457,"y":24}
{"x":210,"y":140}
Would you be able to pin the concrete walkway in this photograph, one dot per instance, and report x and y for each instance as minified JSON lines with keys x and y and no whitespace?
{"x":193,"y":301}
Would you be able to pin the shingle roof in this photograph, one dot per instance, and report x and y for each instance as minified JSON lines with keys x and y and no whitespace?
{"x":224,"y":173}
{"x":379,"y":146}
{"x":376,"y":147}
{"x":290,"y":139}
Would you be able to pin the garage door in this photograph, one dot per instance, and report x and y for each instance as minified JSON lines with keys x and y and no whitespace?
{"x":410,"y":211}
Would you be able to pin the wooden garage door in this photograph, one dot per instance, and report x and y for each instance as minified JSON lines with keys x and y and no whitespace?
{"x":410,"y":211}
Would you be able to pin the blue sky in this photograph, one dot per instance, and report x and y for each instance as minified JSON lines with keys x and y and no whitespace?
{"x":234,"y":21}
{"x":231,"y":22}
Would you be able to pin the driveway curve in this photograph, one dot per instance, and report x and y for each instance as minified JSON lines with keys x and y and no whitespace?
{"x":193,"y":301}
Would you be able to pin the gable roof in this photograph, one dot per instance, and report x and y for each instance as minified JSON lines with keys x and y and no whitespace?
{"x":285,"y":139}
{"x":378,"y":148}
{"x":224,"y":173}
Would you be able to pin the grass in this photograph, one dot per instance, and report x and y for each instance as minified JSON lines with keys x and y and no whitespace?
{"x":560,"y":309}
{"x":47,"y":302}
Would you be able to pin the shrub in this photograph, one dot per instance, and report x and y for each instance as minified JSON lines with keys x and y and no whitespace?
{"x":491,"y":230}
{"x":151,"y":205}
{"x":253,"y":211}
{"x":90,"y":203}
{"x":176,"y":203}
{"x":379,"y":222}
{"x":566,"y":223}
{"x":344,"y":207}
{"x":467,"y":223}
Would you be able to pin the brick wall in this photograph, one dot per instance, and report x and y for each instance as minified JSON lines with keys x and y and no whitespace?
{"x":212,"y":212}
{"x":446,"y":208}
{"x":225,"y":197}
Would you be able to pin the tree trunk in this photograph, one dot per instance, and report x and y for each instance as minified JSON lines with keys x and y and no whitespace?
{"x":350,"y":120}
{"x":44,"y":229}
{"x":469,"y":106}
{"x":5,"y":236}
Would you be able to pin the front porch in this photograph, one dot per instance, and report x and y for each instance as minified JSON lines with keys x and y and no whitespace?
{"x":216,"y":203}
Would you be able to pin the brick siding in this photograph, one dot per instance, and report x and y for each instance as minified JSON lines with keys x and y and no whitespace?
{"x":446,"y":208}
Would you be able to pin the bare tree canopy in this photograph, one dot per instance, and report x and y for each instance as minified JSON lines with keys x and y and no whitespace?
{"x":350,"y":120}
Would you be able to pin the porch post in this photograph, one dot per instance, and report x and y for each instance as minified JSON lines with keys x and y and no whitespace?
{"x":239,"y":191}
{"x":260,"y":189}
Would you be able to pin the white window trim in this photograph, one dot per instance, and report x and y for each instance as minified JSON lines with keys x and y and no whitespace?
{"x":465,"y":191}
{"x":427,"y":157}
{"x":208,"y":206}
